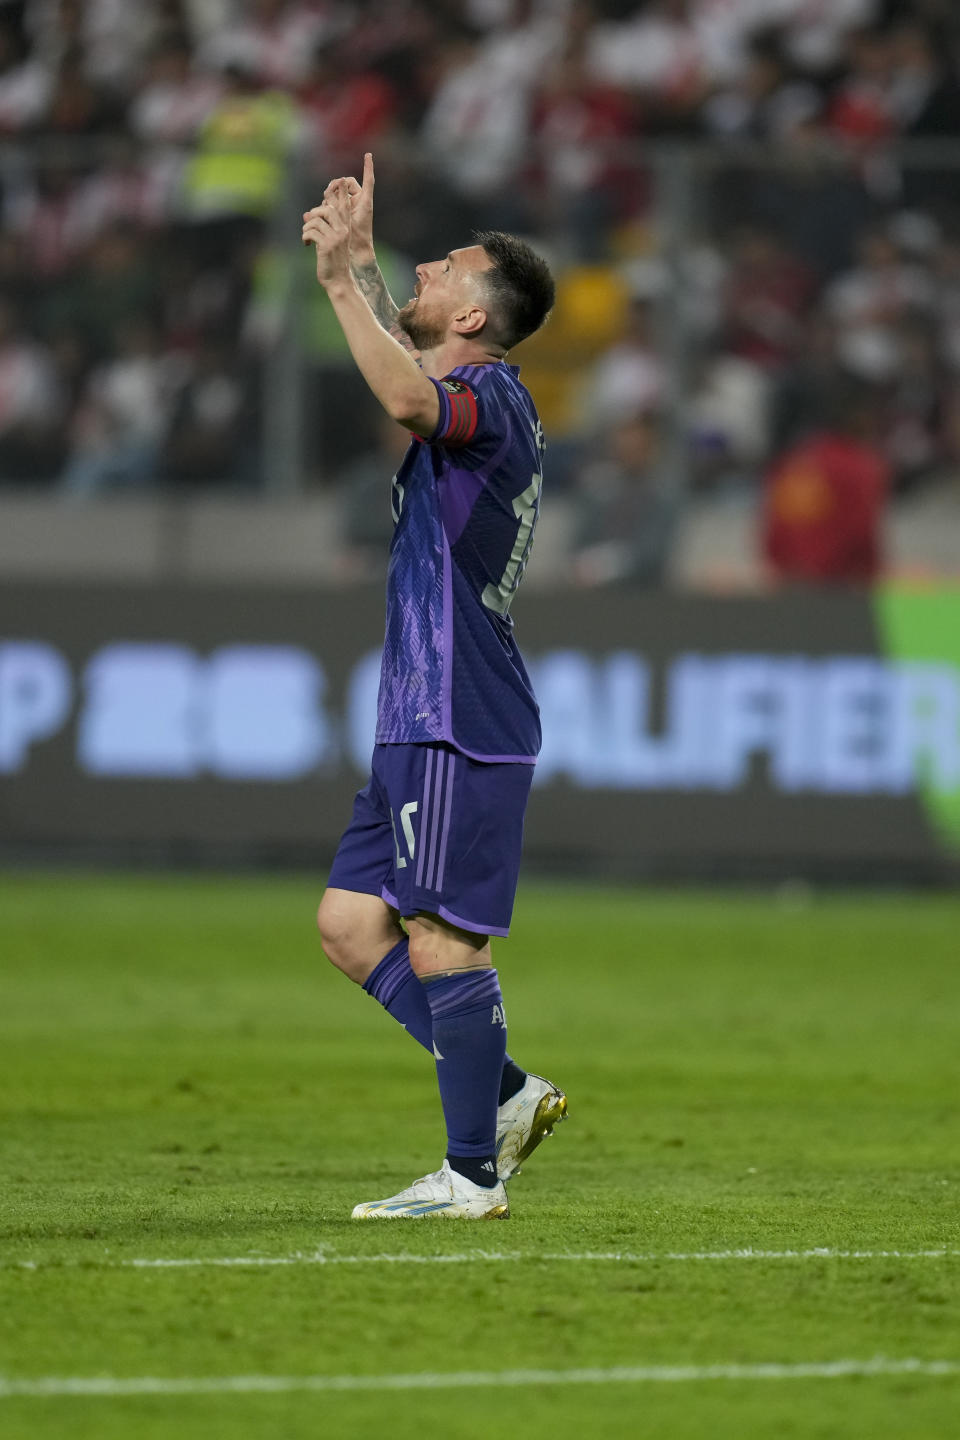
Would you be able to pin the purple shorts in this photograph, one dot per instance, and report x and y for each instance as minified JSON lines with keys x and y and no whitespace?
{"x":437,"y":832}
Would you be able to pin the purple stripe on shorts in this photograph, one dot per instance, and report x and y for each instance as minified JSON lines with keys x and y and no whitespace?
{"x":447,"y":812}
{"x":476,"y":927}
{"x":435,"y":806}
{"x":422,"y":827}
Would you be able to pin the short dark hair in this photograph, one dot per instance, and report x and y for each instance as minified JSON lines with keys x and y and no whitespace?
{"x":519,"y":285}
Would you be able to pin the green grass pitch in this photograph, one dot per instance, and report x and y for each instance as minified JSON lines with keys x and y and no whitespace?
{"x":184,"y":1078}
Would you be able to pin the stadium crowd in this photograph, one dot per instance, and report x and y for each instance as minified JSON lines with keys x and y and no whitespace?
{"x":153,"y":158}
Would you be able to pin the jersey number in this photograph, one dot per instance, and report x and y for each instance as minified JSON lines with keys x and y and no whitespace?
{"x":396,"y":500}
{"x":406,"y":822}
{"x":526,"y":507}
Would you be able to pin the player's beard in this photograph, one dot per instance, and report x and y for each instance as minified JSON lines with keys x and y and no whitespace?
{"x":424,"y":335}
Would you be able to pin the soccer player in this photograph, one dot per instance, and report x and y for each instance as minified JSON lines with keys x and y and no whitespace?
{"x":436,"y":833}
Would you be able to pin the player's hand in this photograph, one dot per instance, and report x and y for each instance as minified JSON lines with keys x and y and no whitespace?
{"x":360,"y":195}
{"x":327,"y":229}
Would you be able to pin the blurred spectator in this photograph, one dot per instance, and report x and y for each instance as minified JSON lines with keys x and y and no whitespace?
{"x":208,"y":434}
{"x":14,"y":276}
{"x":122,"y":415}
{"x":176,"y":98}
{"x":766,"y":101}
{"x":364,"y":490}
{"x":125,"y":188}
{"x":402,"y":40}
{"x":729,"y":419}
{"x":272,"y":41}
{"x":666,"y":54}
{"x":625,"y":513}
{"x":531,"y":115}
{"x":946,"y":278}
{"x":77,"y":104}
{"x":867,"y":303}
{"x":47,"y":211}
{"x":346,"y":109}
{"x":115,"y":281}
{"x":807,"y":190}
{"x":766,"y":296}
{"x":110,"y":36}
{"x":63,"y":209}
{"x":629,"y":377}
{"x":824,"y":500}
{"x":243,"y":150}
{"x":31,"y":404}
{"x":478,"y":122}
{"x":861,"y":107}
{"x":804,"y":391}
{"x":913,"y":408}
{"x":474,"y":131}
{"x":814,"y":30}
{"x":25,"y":82}
{"x":200,"y":297}
{"x":925,"y":96}
{"x":579,"y":126}
{"x":925,"y":92}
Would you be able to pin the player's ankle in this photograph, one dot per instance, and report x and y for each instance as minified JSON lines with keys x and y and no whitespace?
{"x":479,"y":1169}
{"x":512,"y":1081}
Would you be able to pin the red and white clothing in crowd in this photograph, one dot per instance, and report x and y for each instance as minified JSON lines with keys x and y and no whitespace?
{"x":866,"y":296}
{"x":174,"y":103}
{"x":579,"y":125}
{"x":58,"y":224}
{"x":765,"y":299}
{"x":275,"y":42}
{"x":344,"y":115}
{"x":823,"y":511}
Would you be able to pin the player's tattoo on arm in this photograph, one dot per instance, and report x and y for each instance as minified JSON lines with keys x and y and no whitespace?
{"x":373,"y":288}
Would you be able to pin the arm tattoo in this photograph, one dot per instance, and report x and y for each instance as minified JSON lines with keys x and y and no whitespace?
{"x":373,"y":288}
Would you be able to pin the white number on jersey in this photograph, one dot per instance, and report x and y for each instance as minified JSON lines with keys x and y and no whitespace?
{"x":526,"y":507}
{"x":396,"y":500}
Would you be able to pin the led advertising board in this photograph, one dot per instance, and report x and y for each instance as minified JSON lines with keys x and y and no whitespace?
{"x":803,"y":733}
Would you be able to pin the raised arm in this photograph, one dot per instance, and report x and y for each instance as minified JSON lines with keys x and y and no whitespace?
{"x":393,"y":375}
{"x":363,"y":260}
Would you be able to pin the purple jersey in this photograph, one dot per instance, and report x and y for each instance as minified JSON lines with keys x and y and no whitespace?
{"x":465,"y":504}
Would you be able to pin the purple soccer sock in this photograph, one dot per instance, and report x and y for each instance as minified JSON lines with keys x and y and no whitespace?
{"x":469,"y":1043}
{"x":402,"y":995}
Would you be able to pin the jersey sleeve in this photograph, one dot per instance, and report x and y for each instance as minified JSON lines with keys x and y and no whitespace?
{"x":461,"y":414}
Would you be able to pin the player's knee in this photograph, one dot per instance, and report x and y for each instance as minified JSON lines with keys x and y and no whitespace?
{"x":420,"y":955}
{"x":336,"y":936}
{"x":436,"y":946}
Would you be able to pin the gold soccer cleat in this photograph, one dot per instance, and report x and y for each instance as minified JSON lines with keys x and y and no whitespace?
{"x":527,"y":1118}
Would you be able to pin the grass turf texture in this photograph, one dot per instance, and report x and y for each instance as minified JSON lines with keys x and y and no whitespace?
{"x":183,"y":1076}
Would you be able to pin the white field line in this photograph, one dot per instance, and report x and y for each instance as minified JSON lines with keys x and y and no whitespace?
{"x":468,"y":1257}
{"x":109,"y":1385}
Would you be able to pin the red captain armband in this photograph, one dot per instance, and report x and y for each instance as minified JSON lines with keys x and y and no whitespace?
{"x":458,"y":413}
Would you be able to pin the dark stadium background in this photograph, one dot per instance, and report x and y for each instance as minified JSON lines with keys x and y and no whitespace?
{"x":756,"y":232}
